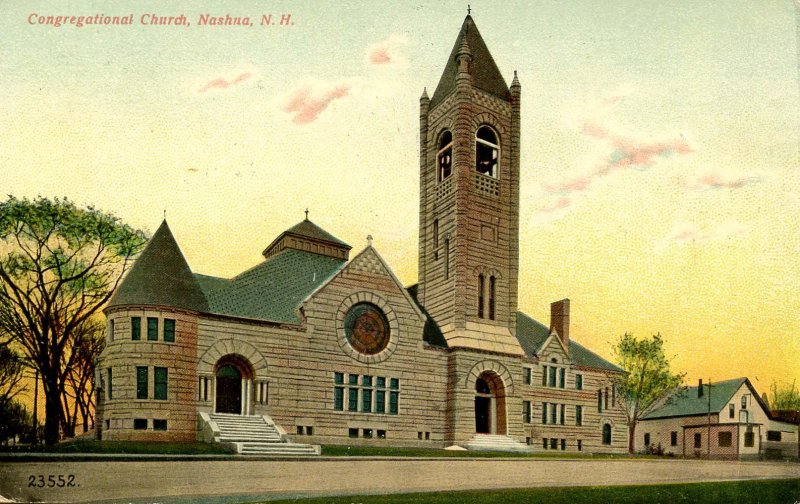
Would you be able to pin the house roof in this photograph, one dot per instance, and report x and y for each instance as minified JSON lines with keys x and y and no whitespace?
{"x":160,"y":276}
{"x":307,"y":229}
{"x":485,"y":74}
{"x":272,"y":290}
{"x":685,"y":402}
{"x":532,"y":335}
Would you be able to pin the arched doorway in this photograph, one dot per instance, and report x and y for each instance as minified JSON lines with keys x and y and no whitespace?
{"x":233,"y":385}
{"x":490,"y":404}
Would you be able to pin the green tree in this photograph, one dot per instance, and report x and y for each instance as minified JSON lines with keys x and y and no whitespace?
{"x":17,"y":422}
{"x":59,"y":264}
{"x":647,"y":382}
{"x":11,"y":369}
{"x":784,"y":397}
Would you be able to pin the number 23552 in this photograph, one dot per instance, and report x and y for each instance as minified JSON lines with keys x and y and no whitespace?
{"x":51,"y":480}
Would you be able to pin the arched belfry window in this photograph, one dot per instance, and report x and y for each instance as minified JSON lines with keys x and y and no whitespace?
{"x":492,"y":283}
{"x":444,"y":156}
{"x":487,"y":151}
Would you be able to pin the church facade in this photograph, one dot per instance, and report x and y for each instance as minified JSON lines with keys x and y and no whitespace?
{"x":335,"y":350}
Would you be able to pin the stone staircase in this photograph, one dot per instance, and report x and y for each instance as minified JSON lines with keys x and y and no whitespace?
{"x":252,"y":435}
{"x":496,"y":442}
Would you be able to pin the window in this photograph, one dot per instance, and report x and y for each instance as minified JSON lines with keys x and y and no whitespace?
{"x":368,"y":433}
{"x":366,"y":394}
{"x":444,"y":156}
{"x":673,"y":438}
{"x":553,"y":372}
{"x":724,"y":439}
{"x":141,"y":382}
{"x":394,"y":396}
{"x":487,"y":152}
{"x":381,"y":434}
{"x":338,"y":391}
{"x":553,"y":443}
{"x":110,"y":386}
{"x":744,"y":402}
{"x":436,"y":239}
{"x":698,"y":440}
{"x":136,"y":328}
{"x":380,"y":395}
{"x":731,"y":410}
{"x":526,"y":376}
{"x":553,"y":413}
{"x":605,"y":403}
{"x":599,"y":401}
{"x":447,"y":258}
{"x":111,"y":330}
{"x":563,"y":444}
{"x":300,"y":430}
{"x":544,"y":443}
{"x":773,"y":435}
{"x":427,"y":436}
{"x":563,"y":415}
{"x":160,"y":425}
{"x":351,"y":432}
{"x":749,"y":438}
{"x":544,"y":412}
{"x":579,"y":415}
{"x":578,"y":382}
{"x":526,"y":411}
{"x":492,"y":284}
{"x":160,"y":382}
{"x":309,"y":430}
{"x":169,"y":330}
{"x":140,"y":423}
{"x":613,"y":395}
{"x":580,"y":445}
{"x":544,"y":376}
{"x":152,"y":329}
{"x":352,"y":393}
{"x":480,"y":295}
{"x":606,"y":434}
{"x":562,"y":377}
{"x":647,"y":439}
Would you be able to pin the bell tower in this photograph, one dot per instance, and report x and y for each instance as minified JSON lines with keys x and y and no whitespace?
{"x":469,"y":199}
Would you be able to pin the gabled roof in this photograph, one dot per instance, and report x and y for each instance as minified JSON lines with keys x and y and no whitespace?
{"x":160,"y":276}
{"x":307,"y":229}
{"x":485,"y":74}
{"x":685,"y":402}
{"x":272,"y":290}
{"x":532,"y":335}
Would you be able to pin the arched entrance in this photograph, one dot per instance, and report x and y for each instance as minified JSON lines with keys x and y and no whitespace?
{"x":490,"y":404}
{"x":233,"y":385}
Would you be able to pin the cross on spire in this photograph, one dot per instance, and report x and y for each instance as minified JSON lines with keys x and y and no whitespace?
{"x":469,"y":10}
{"x":306,"y":213}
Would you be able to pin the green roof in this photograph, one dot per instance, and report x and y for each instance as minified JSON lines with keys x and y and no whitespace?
{"x":272,"y":290}
{"x":532,"y":335}
{"x":160,"y":276}
{"x":685,"y":401}
{"x":308,"y":229}
{"x":485,"y":74}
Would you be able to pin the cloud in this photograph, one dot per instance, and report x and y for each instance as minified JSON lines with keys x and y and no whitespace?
{"x":718,"y":180}
{"x":306,"y":104}
{"x":689,"y":233}
{"x":221,"y":83}
{"x":386,"y":52}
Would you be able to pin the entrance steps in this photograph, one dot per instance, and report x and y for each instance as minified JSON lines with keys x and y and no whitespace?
{"x":496,"y":442}
{"x":251,"y":435}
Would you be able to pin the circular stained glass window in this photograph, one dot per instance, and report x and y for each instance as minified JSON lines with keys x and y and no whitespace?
{"x":367,"y":328}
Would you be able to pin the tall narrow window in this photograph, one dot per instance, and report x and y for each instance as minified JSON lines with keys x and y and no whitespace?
{"x":110,"y":386}
{"x":553,"y":413}
{"x":553,"y":371}
{"x":111,"y":330}
{"x":394,"y":396}
{"x":447,"y":258}
{"x":526,"y":411}
{"x":698,"y":440}
{"x":562,"y":377}
{"x":436,"y":239}
{"x":544,"y":412}
{"x":487,"y":152}
{"x":599,"y":401}
{"x":606,"y":434}
{"x":444,"y":156}
{"x":152,"y":329}
{"x":366,"y":394}
{"x":480,"y":295}
{"x":136,"y":328}
{"x":605,"y":403}
{"x":492,"y":283}
{"x":544,"y":376}
{"x":578,"y":382}
{"x":338,"y":391}
{"x":578,"y":415}
{"x":352,"y":393}
{"x":160,"y":383}
{"x":613,"y":395}
{"x":673,"y":438}
{"x":141,"y":382}
{"x":563,"y":413}
{"x":526,"y":376}
{"x":731,"y":411}
{"x":380,"y":395}
{"x":169,"y":330}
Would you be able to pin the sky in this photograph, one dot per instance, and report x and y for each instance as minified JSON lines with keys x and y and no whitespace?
{"x":660,"y":189}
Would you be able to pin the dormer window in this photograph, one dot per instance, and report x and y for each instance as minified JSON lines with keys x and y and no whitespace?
{"x":444,"y":156}
{"x":487,"y":152}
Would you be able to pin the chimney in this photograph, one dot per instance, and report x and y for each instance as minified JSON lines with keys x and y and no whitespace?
{"x":700,"y":388}
{"x":559,"y":320}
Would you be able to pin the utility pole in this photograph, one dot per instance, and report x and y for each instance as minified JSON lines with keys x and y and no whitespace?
{"x":36,"y":408}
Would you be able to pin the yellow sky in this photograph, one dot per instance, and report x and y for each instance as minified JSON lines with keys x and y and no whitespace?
{"x":660,"y":189}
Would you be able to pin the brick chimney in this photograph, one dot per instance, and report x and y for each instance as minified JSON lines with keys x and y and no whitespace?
{"x":559,"y":320}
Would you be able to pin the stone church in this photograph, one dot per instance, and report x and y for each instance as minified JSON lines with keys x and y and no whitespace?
{"x":313,"y":346}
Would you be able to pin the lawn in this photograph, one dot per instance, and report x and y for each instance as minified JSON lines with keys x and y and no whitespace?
{"x":736,"y":492}
{"x":372,"y":451}
{"x":129,"y":447}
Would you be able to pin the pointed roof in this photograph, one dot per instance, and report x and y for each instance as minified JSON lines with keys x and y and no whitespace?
{"x":309,"y":230}
{"x":160,"y":276}
{"x":485,"y":74}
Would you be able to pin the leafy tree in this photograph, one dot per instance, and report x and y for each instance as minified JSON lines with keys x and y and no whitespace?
{"x":647,"y":382}
{"x":59,"y":264}
{"x":17,"y":421}
{"x":784,"y":397}
{"x":10,"y":376}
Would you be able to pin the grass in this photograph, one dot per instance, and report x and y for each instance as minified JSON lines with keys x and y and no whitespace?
{"x":125,"y":447}
{"x":734,"y":492}
{"x":372,"y":451}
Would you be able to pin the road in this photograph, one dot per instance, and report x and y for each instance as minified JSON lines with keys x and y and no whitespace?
{"x":175,"y":481}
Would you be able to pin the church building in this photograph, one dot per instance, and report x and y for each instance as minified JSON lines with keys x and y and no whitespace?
{"x":313,"y":346}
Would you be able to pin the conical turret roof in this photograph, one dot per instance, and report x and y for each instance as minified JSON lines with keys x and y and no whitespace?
{"x":161,"y":276}
{"x":485,"y":74}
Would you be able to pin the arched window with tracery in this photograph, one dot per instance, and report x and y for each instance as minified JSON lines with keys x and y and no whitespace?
{"x":444,"y":156}
{"x":487,"y":151}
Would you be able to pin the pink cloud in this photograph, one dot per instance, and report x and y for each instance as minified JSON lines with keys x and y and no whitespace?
{"x":306,"y":107}
{"x":220,"y":83}
{"x":386,"y":52}
{"x":380,"y":56}
{"x":684,"y":233}
{"x":559,"y":204}
{"x":713,"y":180}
